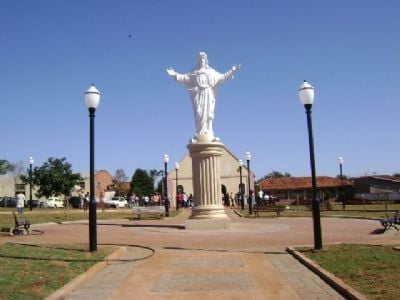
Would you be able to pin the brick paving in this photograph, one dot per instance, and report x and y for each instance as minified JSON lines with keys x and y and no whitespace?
{"x":247,"y":261}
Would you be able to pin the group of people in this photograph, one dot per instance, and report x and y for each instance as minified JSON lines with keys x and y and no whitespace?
{"x":236,"y":201}
{"x":134,"y":200}
{"x":184,"y":200}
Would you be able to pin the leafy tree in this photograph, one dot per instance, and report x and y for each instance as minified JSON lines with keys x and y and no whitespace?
{"x":160,"y":186}
{"x":345,"y":177}
{"x":275,"y":174}
{"x":18,"y":169}
{"x":142,"y":183}
{"x":155,"y":174}
{"x":5,"y":166}
{"x":118,"y":179}
{"x":53,"y":178}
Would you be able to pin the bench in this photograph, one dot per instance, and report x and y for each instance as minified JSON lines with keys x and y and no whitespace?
{"x":278,"y":209}
{"x":158,"y":211}
{"x":20,"y":224}
{"x":391,"y":222}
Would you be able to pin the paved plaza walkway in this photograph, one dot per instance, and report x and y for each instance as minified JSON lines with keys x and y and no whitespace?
{"x":165,"y":261}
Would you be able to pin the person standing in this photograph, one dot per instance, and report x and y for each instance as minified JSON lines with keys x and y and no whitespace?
{"x":20,"y":203}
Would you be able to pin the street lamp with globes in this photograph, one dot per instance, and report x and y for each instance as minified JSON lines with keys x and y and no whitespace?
{"x":306,"y":95}
{"x":31,"y":161}
{"x":176,"y":174}
{"x":249,"y":198}
{"x":166,"y":198}
{"x":92,"y":100}
{"x":241,"y":196}
{"x":341,"y":161}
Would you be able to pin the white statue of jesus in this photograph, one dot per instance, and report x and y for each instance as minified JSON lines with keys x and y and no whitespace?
{"x":202,"y":85}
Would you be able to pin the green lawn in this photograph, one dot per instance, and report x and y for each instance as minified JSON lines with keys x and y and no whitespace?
{"x":356,"y":211}
{"x":34,"y":272}
{"x":45,"y":215}
{"x":372,"y":270}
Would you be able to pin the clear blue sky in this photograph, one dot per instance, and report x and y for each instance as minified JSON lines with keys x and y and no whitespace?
{"x":51,"y":51}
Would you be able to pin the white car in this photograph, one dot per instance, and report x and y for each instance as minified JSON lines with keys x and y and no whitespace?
{"x":53,"y":202}
{"x":118,"y":202}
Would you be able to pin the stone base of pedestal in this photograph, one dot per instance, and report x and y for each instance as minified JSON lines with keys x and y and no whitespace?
{"x":206,"y":224}
{"x":208,"y":212}
{"x":208,"y":217}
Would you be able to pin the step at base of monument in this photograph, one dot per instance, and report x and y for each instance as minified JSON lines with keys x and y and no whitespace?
{"x":207,"y":224}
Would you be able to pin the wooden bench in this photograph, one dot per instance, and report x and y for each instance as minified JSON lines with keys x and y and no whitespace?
{"x":278,"y":209}
{"x":20,"y":224}
{"x":158,"y":211}
{"x":391,"y":222}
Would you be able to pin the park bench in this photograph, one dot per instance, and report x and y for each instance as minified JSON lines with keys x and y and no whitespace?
{"x":20,"y":224}
{"x":261,"y":207}
{"x":391,"y":222}
{"x":158,"y":211}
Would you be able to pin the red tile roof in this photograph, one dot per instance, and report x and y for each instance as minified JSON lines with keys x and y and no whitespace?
{"x":296,"y":183}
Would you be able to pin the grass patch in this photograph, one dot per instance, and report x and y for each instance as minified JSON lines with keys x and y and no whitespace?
{"x":45,"y":215}
{"x":372,"y":270}
{"x":352,"y":211}
{"x":33,"y":272}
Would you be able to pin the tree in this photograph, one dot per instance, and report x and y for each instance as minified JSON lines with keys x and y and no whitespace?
{"x":53,"y":178}
{"x":155,"y":174}
{"x":275,"y":174}
{"x":118,"y":179}
{"x":142,"y":183}
{"x":5,"y":166}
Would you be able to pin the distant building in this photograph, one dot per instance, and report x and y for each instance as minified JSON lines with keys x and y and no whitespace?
{"x":301,"y":187}
{"x":377,"y":187}
{"x":10,"y":185}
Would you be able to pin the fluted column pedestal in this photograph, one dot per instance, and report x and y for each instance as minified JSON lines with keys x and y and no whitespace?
{"x":206,"y":161}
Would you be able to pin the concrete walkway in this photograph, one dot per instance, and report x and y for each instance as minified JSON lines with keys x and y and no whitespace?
{"x":248,"y":261}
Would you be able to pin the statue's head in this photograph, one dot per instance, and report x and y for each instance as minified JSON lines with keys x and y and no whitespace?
{"x":203,"y":61}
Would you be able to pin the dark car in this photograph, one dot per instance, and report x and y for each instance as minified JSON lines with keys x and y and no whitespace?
{"x":75,"y":202}
{"x":8,"y":202}
{"x":35,"y":203}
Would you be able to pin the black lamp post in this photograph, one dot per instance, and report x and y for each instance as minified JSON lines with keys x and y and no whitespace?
{"x":306,"y":94}
{"x":249,"y":199}
{"x":31,"y":161}
{"x":92,"y":100}
{"x":176,"y":174}
{"x":241,"y":185}
{"x":341,"y":161}
{"x":166,"y":201}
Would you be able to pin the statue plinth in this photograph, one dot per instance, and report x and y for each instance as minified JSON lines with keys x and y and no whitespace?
{"x":206,"y":161}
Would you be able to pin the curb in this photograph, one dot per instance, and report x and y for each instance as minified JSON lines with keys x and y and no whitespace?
{"x":82,"y":278}
{"x":335,"y":282}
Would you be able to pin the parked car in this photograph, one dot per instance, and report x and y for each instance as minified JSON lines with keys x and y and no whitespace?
{"x":7,"y":202}
{"x":35,"y":203}
{"x":53,"y":202}
{"x":75,"y":202}
{"x":117,"y":202}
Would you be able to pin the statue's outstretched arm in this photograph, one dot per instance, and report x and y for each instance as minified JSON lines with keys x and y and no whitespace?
{"x":183,"y":78}
{"x":229,"y":75}
{"x":171,"y":72}
{"x":236,"y":68}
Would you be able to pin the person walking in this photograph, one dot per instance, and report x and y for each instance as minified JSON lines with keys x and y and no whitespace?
{"x":20,"y":203}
